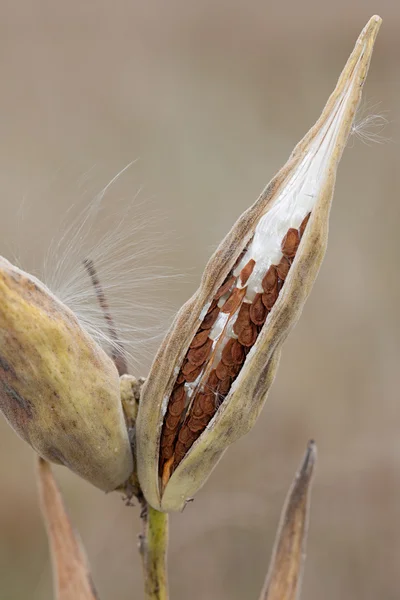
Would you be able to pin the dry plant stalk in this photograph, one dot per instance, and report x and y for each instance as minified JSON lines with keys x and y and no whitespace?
{"x":117,"y":353}
{"x":153,"y":544}
{"x":72,"y":579}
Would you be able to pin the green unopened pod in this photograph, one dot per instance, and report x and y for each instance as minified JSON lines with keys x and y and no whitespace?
{"x":213,"y":371}
{"x":58,"y":389}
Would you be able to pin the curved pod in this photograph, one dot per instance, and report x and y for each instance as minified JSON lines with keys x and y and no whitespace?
{"x":179,"y":437}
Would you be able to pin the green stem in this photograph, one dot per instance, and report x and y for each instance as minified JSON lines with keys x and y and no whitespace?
{"x":153,"y":550}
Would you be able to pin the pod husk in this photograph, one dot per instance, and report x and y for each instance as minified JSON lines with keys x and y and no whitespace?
{"x":58,"y":389}
{"x":240,"y":409}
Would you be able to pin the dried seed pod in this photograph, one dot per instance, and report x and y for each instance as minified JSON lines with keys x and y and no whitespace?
{"x":58,"y":388}
{"x":293,"y":193}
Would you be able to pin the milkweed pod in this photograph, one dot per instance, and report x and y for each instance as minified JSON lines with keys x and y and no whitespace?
{"x":58,"y":389}
{"x":212,"y":373}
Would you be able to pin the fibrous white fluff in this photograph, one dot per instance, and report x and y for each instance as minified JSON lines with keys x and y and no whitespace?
{"x":369,"y":123}
{"x":125,"y":246}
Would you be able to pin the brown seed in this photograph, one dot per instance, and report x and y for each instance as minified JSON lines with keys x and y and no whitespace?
{"x":197,"y":425}
{"x":258,"y":312}
{"x":270,"y":280}
{"x":212,"y":380}
{"x":180,"y":378}
{"x":198,"y":356}
{"x":213,"y":304}
{"x":178,"y":393}
{"x":225,"y":287}
{"x":234,"y":369}
{"x":210,"y":318}
{"x":191,"y":371}
{"x":225,"y":386}
{"x":270,"y":298}
{"x":172,"y":421}
{"x":207,"y":403}
{"x":181,"y":449}
{"x":188,"y":368}
{"x":168,"y":440}
{"x":247,"y":271}
{"x":167,"y":452}
{"x":248,"y":335}
{"x":194,"y":374}
{"x":283,"y":268}
{"x":222,"y":371}
{"x":304,"y":224}
{"x":237,"y":353}
{"x":186,"y":436}
{"x":243,"y":318}
{"x":197,"y":411}
{"x":226,"y":355}
{"x":200,"y":338}
{"x":243,"y":252}
{"x":176,"y":406}
{"x":290,"y":243}
{"x":234,"y":301}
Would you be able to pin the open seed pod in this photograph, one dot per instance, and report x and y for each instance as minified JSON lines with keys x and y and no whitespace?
{"x":58,"y":389}
{"x":212,"y":373}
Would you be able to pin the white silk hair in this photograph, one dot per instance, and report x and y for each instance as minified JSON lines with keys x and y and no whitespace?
{"x":125,"y":240}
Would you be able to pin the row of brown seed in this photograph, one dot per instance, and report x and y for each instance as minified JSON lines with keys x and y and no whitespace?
{"x":194,"y":362}
{"x":249,"y":322}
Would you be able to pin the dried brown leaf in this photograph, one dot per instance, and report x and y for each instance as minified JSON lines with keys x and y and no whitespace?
{"x":72,"y":579}
{"x":283,"y":581}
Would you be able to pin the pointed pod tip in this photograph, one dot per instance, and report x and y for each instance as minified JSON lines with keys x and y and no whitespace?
{"x":371,"y":29}
{"x":309,"y":460}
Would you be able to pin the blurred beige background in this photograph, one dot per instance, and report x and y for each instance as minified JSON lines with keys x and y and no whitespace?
{"x":212,"y":96}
